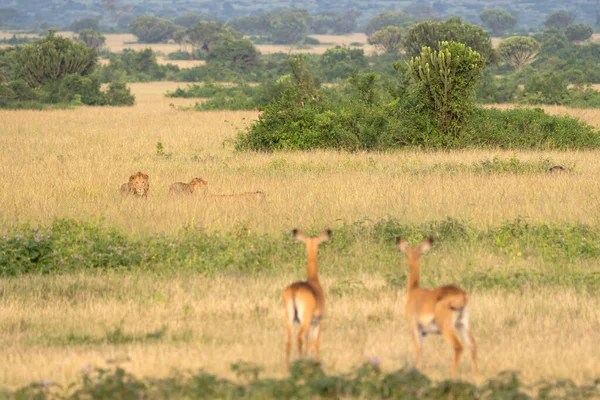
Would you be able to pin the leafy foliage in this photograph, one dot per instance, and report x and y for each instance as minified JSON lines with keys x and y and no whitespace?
{"x":150,"y":29}
{"x":283,"y":27}
{"x":578,"y":32}
{"x":387,"y":40}
{"x":135,"y":66}
{"x":372,"y":113}
{"x":334,"y":23}
{"x":92,"y":39}
{"x":340,"y":62}
{"x":388,"y":18}
{"x":69,"y":246}
{"x":445,"y":82}
{"x":51,"y":58}
{"x":498,"y":20}
{"x":56,"y":70}
{"x":559,"y":19}
{"x":307,"y":380}
{"x":85,"y":24}
{"x":519,"y":51}
{"x":429,"y":34}
{"x":190,"y":19}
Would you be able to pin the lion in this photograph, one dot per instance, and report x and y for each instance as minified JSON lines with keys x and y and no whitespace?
{"x":138,"y":185}
{"x":558,"y":169}
{"x":258,"y":195}
{"x":188,"y":188}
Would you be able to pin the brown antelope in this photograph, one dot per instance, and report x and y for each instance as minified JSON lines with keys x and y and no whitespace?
{"x":442,"y":310}
{"x":304,"y":301}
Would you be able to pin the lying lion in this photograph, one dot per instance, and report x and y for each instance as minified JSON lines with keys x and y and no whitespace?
{"x":187,"y":188}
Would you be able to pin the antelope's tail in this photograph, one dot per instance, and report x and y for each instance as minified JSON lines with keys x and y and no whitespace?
{"x":458,"y":302}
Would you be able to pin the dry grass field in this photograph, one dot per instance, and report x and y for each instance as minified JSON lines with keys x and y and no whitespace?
{"x":118,"y":42}
{"x":70,"y":163}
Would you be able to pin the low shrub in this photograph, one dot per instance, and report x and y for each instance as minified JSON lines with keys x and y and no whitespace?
{"x":67,"y":246}
{"x":306,"y":380}
{"x":242,"y":97}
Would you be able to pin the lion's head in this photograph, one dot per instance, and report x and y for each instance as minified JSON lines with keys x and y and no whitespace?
{"x":198,"y":183}
{"x":138,"y":184}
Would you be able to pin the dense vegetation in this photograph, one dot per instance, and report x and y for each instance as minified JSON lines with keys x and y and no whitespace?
{"x":114,"y":13}
{"x":67,"y":246}
{"x":307,"y":380}
{"x":55,"y":70}
{"x":423,"y":107}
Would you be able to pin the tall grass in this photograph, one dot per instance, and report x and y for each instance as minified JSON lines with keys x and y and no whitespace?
{"x":70,"y":164}
{"x":523,"y":242}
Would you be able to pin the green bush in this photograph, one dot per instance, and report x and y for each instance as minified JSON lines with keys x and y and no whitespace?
{"x":526,"y":128}
{"x":306,"y":380}
{"x":119,"y":94}
{"x":69,"y":246}
{"x":340,"y":62}
{"x":58,"y":71}
{"x":445,"y":82}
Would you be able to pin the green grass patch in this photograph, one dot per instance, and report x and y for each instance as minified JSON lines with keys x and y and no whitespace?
{"x":559,"y":252}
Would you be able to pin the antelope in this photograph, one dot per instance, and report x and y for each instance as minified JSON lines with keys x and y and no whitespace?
{"x":442,"y":310}
{"x":304,"y":301}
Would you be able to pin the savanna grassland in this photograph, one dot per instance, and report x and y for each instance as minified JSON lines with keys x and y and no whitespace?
{"x":156,"y":317}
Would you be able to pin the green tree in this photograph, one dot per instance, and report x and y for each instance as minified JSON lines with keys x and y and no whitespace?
{"x":429,"y":34}
{"x":559,"y":19}
{"x":53,"y":57}
{"x":446,"y":81}
{"x":421,"y":11}
{"x":290,"y":26}
{"x":387,"y":18}
{"x":236,"y":53}
{"x":150,"y":29}
{"x":336,"y":23}
{"x":92,"y":39}
{"x":387,"y":40}
{"x":85,"y":23}
{"x":578,"y":32}
{"x":252,"y":24}
{"x":519,"y":51}
{"x":204,"y":35}
{"x":545,"y":88}
{"x":192,"y":18}
{"x":340,"y":62}
{"x":498,"y":20}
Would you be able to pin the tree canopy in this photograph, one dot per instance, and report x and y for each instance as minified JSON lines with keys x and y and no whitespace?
{"x":559,"y":19}
{"x":498,"y":20}
{"x":519,"y":51}
{"x":388,"y":18}
{"x":429,"y":34}
{"x":387,"y":40}
{"x":578,"y":32}
{"x":150,"y":29}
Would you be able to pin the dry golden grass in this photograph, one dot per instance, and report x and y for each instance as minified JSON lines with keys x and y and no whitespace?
{"x":118,"y":42}
{"x":165,"y":61}
{"x":70,"y":163}
{"x":91,"y":151}
{"x":50,"y":327}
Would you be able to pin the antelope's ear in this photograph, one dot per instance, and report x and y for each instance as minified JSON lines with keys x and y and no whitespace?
{"x":299,"y":235}
{"x":402,"y":244}
{"x":426,"y":245}
{"x":326,"y":234}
